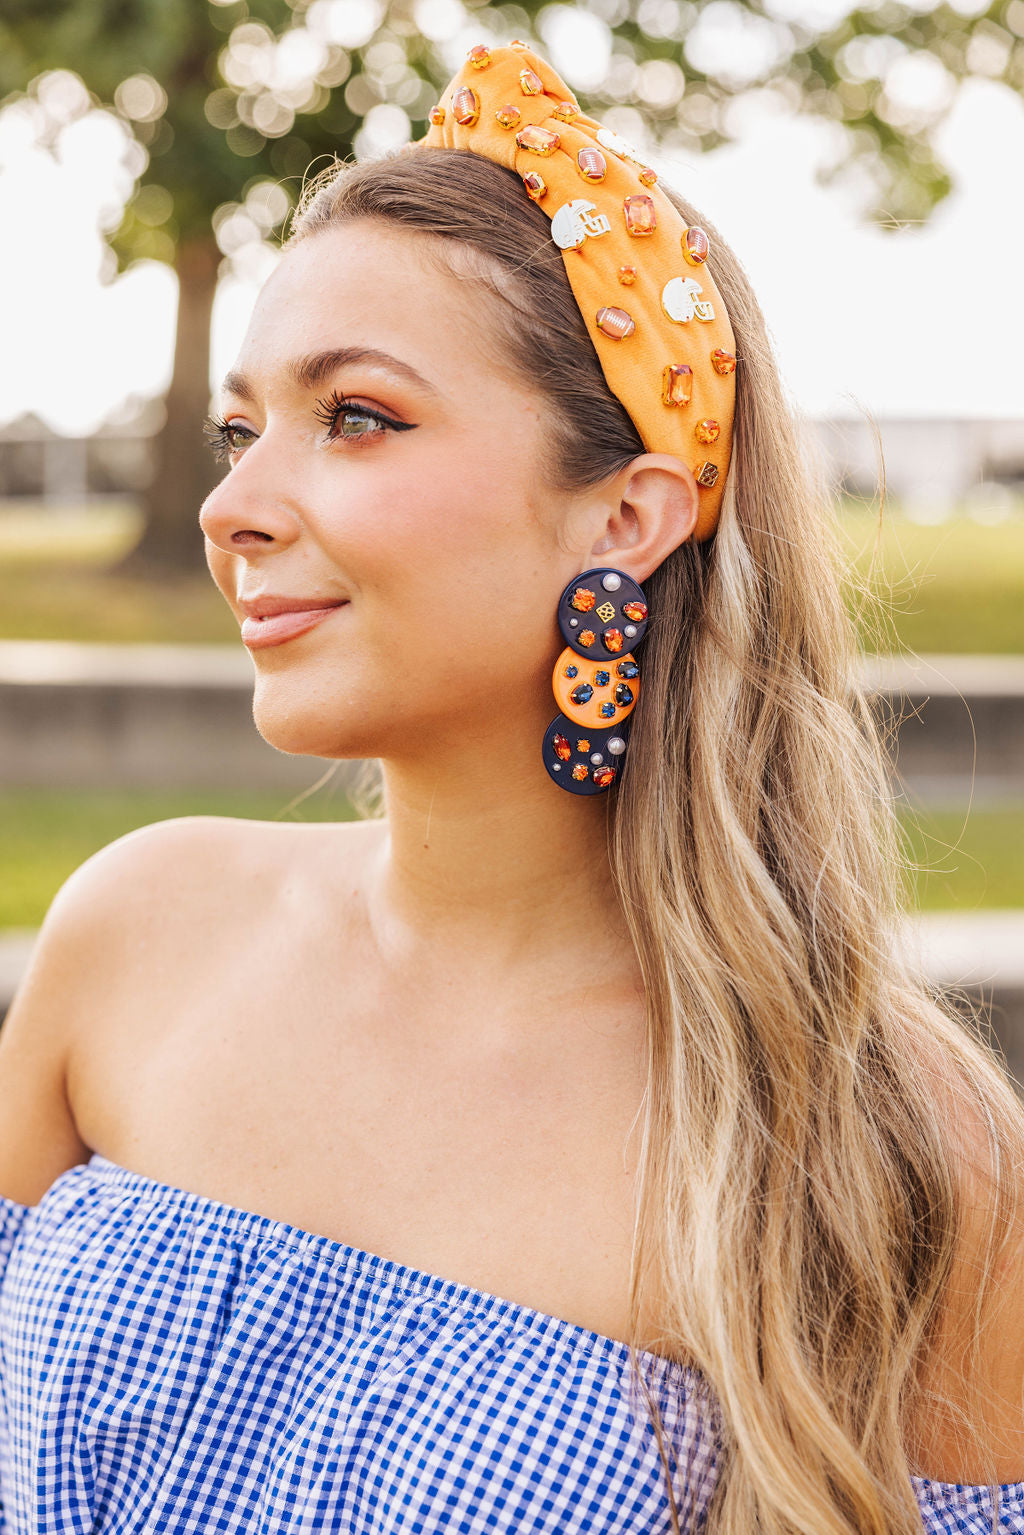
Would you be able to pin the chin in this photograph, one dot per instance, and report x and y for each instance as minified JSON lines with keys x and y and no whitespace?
{"x":312,"y":727}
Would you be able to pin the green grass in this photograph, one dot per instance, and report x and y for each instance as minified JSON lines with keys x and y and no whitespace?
{"x":955,"y":587}
{"x":45,"y":835}
{"x":967,"y":861}
{"x":58,"y":582}
{"x":969,"y":864}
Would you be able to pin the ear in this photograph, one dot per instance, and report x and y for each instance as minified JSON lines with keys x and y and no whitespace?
{"x":649,"y":509}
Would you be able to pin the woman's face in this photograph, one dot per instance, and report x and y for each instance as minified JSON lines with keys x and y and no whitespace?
{"x":382,"y":463}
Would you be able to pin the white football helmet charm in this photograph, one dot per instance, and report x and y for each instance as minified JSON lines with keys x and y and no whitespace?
{"x":574,"y":221}
{"x":679,"y":299}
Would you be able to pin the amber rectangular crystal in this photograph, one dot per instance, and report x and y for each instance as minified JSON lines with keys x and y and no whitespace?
{"x":641,"y":215}
{"x":540,"y":140}
{"x":677,"y":384}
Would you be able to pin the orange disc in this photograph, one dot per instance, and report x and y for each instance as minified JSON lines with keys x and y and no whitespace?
{"x":606,"y":691}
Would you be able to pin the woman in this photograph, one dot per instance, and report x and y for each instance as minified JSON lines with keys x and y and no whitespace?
{"x":521,"y":1159}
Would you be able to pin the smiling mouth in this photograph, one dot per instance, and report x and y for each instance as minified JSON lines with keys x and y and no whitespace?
{"x":276,"y":628}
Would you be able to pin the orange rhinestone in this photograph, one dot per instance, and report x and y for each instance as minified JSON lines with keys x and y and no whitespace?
{"x":583,"y":744}
{"x":707,"y":475}
{"x":603,"y":776}
{"x":723,"y":362}
{"x":540,"y":141}
{"x":586,"y":637}
{"x":509,"y":117}
{"x":580,"y":771}
{"x":437,"y":115}
{"x":696,"y":245}
{"x":566,"y":111}
{"x":627,"y":276}
{"x":615,"y":323}
{"x":677,"y":384}
{"x":707,"y":432}
{"x":530,"y":82}
{"x":479,"y":57}
{"x":647,"y":176}
{"x":465,"y":106}
{"x":641,"y":215}
{"x":535,"y":185}
{"x":592,"y":163}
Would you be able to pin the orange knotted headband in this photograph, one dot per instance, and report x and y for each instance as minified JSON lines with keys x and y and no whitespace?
{"x":638,"y":273}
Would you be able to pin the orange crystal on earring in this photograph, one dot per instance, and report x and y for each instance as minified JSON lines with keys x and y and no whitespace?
{"x":615,"y":323}
{"x":636,"y":612}
{"x":677,"y":384}
{"x":465,"y":106}
{"x":696,"y":245}
{"x":708,"y":432}
{"x":562,"y":748}
{"x":582,"y":599}
{"x":540,"y":141}
{"x":641,"y":215}
{"x":613,"y":640}
{"x":583,"y":744}
{"x":437,"y":115}
{"x":723,"y":362}
{"x":647,"y":176}
{"x":509,"y":117}
{"x":603,"y":776}
{"x":535,"y":185}
{"x":627,"y":276}
{"x":566,"y":111}
{"x":479,"y":57}
{"x":580,"y":771}
{"x":530,"y":82}
{"x":706,"y":475}
{"x":586,"y":637}
{"x":592,"y":163}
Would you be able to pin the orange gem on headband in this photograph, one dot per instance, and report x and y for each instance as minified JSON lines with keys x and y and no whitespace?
{"x":665,"y":346}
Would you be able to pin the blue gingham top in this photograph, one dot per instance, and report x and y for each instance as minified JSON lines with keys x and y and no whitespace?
{"x":171,"y":1363}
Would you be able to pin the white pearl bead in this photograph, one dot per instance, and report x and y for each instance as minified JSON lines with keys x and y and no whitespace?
{"x":629,"y":631}
{"x":616,"y":746}
{"x":596,"y":758}
{"x":611,"y":582}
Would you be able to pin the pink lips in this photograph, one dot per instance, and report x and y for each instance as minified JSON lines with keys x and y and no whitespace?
{"x":275,"y":628}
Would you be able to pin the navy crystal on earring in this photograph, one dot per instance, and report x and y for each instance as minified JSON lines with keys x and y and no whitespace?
{"x":602,"y":615}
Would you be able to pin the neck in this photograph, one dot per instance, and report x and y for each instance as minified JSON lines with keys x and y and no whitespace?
{"x":487,"y":856}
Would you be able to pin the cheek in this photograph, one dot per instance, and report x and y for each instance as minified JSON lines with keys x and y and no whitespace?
{"x":222,"y":568}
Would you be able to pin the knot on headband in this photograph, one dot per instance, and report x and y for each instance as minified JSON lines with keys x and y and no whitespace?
{"x":638,"y":272}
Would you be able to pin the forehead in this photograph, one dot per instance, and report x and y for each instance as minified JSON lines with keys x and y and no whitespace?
{"x":372,"y":286}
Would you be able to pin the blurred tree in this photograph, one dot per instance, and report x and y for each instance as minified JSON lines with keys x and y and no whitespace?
{"x":228,"y":102}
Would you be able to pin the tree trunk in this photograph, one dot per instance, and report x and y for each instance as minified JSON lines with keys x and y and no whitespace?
{"x":184,"y":469}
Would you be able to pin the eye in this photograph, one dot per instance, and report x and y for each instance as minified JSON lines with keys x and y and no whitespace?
{"x":345,"y":420}
{"x":226,"y":437}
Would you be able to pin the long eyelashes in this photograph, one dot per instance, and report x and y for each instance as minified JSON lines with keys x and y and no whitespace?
{"x":221,"y":434}
{"x":336,"y":406}
{"x":343,"y":419}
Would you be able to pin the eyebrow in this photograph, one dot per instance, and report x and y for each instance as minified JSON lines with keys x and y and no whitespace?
{"x":314,"y":370}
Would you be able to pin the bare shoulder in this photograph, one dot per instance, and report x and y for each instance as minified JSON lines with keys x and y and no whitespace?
{"x":143,"y":919}
{"x":977,"y":1362}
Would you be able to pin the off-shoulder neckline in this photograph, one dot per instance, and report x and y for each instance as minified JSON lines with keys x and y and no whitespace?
{"x":402,"y":1276}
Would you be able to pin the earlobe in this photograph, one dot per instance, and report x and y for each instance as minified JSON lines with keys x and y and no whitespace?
{"x":656,"y":511}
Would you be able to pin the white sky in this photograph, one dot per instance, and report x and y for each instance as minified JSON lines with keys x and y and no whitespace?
{"x":924,"y":322}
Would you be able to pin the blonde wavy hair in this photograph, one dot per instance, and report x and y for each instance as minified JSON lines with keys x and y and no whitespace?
{"x":800,"y":1198}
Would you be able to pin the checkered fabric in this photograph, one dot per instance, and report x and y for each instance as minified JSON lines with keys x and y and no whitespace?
{"x":171,"y":1363}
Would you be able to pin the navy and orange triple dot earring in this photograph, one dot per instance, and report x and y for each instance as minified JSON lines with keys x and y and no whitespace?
{"x":603,"y":617}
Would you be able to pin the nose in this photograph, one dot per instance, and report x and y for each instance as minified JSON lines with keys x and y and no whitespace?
{"x":243,"y":511}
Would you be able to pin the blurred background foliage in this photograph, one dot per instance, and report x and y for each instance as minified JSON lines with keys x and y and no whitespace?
{"x":224,"y":105}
